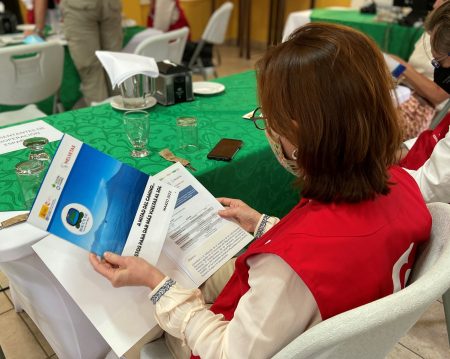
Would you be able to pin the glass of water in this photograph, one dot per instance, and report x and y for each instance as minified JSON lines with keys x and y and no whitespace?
{"x":30,"y":175}
{"x":187,"y":133}
{"x":137,"y":128}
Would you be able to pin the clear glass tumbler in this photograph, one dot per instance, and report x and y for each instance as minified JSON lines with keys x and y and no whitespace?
{"x":30,"y":175}
{"x":187,"y":133}
{"x":137,"y":128}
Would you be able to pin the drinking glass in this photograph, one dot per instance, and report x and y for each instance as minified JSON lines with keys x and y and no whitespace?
{"x":137,"y":91}
{"x":187,"y":133}
{"x":137,"y":128}
{"x":36,"y":145}
{"x":30,"y":174}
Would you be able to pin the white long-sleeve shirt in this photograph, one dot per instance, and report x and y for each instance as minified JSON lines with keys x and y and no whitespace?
{"x":261,"y":325}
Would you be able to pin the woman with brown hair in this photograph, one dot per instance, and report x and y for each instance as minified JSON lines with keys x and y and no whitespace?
{"x":352,"y":238}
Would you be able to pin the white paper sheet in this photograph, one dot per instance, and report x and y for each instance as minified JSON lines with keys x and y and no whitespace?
{"x":11,"y":138}
{"x":121,"y":315}
{"x":199,"y":239}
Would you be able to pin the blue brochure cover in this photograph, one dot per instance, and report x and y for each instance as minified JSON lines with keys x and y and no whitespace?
{"x":101,"y":204}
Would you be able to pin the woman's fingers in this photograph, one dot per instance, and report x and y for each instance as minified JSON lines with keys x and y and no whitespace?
{"x":115,"y":259}
{"x":224,"y":201}
{"x":229,"y":212}
{"x":102,"y":268}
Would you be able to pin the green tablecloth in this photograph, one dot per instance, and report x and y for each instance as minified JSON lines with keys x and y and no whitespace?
{"x":392,"y":38}
{"x":70,"y":87}
{"x":253,"y":175}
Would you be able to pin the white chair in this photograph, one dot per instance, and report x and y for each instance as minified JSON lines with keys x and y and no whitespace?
{"x":440,"y":115}
{"x":31,"y":73}
{"x":165,"y":46}
{"x":214,"y":33}
{"x":371,"y":331}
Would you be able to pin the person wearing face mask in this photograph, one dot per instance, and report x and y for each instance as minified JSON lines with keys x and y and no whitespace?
{"x":438,"y":25}
{"x":427,"y":97}
{"x":428,"y":160}
{"x":360,"y":216}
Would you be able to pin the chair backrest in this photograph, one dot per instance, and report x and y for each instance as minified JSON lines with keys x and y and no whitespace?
{"x":370,"y":331}
{"x":440,"y":115}
{"x":218,"y":24}
{"x":166,"y":46}
{"x":30,"y":73}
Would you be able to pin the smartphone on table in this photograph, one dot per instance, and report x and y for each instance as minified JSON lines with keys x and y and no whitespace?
{"x":225,"y":149}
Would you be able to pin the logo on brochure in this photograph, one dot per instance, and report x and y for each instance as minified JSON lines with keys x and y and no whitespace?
{"x":44,"y":210}
{"x":68,"y":158}
{"x":77,"y":218}
{"x":58,"y":182}
{"x":47,"y":209}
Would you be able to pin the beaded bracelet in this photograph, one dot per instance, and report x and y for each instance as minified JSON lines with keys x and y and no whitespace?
{"x":162,"y":290}
{"x":260,"y":231}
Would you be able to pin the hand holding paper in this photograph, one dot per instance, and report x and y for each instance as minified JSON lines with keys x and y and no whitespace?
{"x":240,"y":212}
{"x":126,"y":271}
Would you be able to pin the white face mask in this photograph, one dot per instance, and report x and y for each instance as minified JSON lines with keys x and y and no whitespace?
{"x":290,"y":165}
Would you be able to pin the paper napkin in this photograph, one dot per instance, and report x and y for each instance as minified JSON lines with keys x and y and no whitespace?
{"x":121,"y":66}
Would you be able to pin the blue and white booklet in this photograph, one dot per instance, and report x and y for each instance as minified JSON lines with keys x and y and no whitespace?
{"x":100,"y":204}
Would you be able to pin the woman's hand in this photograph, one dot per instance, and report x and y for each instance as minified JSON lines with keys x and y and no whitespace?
{"x":243,"y":214}
{"x":126,"y":271}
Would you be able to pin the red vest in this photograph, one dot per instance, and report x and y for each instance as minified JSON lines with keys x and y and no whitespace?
{"x":345,"y":253}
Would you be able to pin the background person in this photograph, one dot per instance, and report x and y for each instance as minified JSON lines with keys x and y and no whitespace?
{"x":419,"y":110}
{"x":91,"y":25}
{"x":337,"y":249}
{"x":166,"y":15}
{"x":428,"y":160}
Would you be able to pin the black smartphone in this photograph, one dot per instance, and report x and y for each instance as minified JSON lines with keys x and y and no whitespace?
{"x":225,"y":149}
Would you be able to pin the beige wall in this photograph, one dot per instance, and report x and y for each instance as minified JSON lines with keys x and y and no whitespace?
{"x":198,"y":12}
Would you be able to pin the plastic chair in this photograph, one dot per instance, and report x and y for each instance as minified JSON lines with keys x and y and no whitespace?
{"x":440,"y":115}
{"x":371,"y":331}
{"x":166,"y":46}
{"x":214,"y":33}
{"x":31,"y":73}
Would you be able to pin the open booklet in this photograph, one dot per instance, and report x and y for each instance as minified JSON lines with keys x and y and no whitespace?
{"x":101,"y":204}
{"x":198,"y":242}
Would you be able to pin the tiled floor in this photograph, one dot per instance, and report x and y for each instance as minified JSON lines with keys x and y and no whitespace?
{"x":20,"y":338}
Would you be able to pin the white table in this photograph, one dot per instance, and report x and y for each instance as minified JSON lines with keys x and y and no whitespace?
{"x":35,"y":290}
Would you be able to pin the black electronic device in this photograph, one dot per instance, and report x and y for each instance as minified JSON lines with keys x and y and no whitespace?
{"x":174,"y":84}
{"x":225,"y":149}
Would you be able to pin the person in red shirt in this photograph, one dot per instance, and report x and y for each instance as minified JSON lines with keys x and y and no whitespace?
{"x":329,"y":118}
{"x":166,"y":15}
